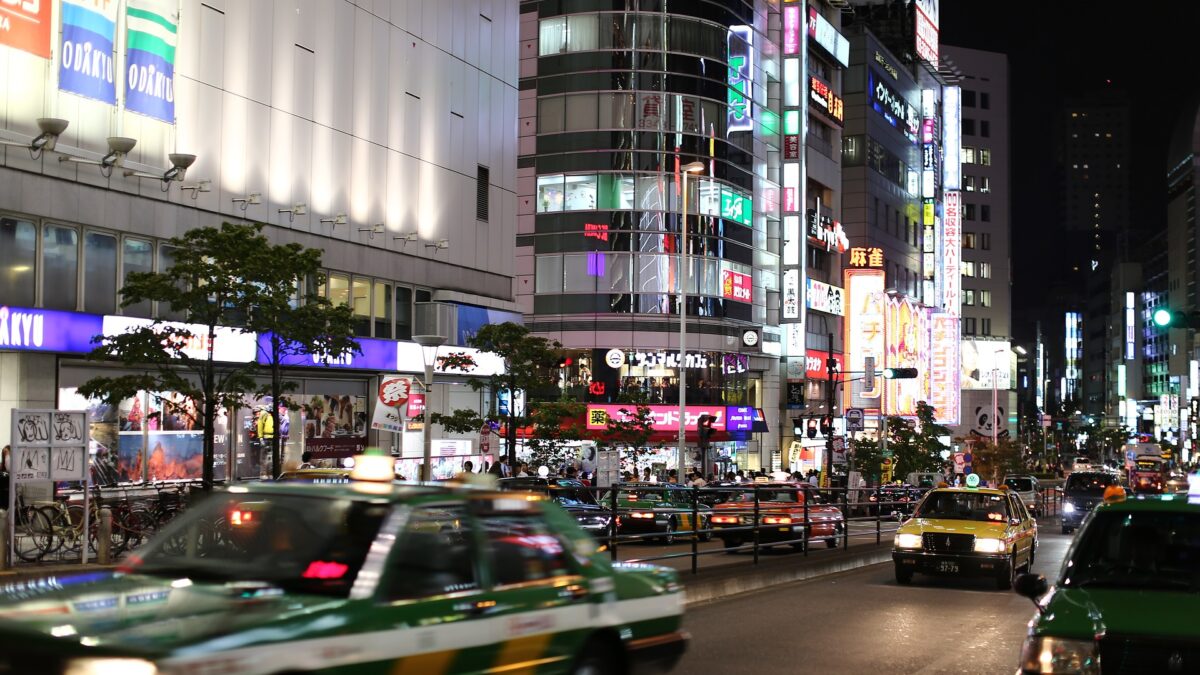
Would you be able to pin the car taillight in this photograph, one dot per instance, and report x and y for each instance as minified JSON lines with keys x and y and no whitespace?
{"x":725,"y":519}
{"x":641,"y":514}
{"x":239,"y":517}
{"x":872,"y":497}
{"x":777,"y":520}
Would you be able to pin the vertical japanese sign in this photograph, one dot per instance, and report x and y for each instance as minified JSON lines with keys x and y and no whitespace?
{"x":152,"y":29}
{"x":906,"y":333}
{"x":952,"y":253}
{"x":26,"y":26}
{"x":943,"y":368}
{"x":741,"y":72}
{"x":736,"y":286}
{"x":88,"y":58}
{"x":864,"y":333}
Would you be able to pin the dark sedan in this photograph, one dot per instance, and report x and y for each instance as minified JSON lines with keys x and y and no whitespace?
{"x":575,"y":497}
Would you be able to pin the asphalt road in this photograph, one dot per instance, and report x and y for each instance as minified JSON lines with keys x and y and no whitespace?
{"x":864,"y":622}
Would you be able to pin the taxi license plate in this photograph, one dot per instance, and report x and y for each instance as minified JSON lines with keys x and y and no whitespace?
{"x":947,"y":566}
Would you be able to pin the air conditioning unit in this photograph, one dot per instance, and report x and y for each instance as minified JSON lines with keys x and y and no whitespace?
{"x":436,"y":318}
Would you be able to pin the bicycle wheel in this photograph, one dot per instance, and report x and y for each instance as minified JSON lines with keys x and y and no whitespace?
{"x":136,"y":526}
{"x":33,"y":535}
{"x":70,"y":528}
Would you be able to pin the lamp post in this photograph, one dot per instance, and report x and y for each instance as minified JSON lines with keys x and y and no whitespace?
{"x":429,"y":349}
{"x":694,"y":167}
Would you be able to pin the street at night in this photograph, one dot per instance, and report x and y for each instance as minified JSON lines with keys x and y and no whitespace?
{"x":864,"y":622}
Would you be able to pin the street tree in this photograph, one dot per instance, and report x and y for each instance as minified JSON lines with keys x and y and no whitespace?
{"x":530,"y":367}
{"x":915,"y":445}
{"x":292,"y":320}
{"x":632,"y":430}
{"x":556,"y":426}
{"x":995,"y":461}
{"x":206,"y":284}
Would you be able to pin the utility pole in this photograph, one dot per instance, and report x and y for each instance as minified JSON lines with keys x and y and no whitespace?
{"x":830,"y":396}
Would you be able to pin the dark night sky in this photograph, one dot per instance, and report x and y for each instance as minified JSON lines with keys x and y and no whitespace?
{"x":1056,"y":48}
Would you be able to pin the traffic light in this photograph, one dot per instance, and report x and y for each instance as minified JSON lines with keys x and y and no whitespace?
{"x":565,"y":362}
{"x":826,"y":425}
{"x":1165,"y":317}
{"x":797,"y":426}
{"x":899,"y":373}
{"x":704,"y":429}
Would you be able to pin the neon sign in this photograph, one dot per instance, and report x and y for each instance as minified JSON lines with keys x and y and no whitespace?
{"x":741,"y":73}
{"x":893,"y":107}
{"x":828,"y":103}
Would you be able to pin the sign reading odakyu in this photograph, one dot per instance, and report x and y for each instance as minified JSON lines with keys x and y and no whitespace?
{"x":151,"y":30}
{"x":87,"y":55}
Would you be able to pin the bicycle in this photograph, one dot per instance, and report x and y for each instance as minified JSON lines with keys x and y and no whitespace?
{"x":32,"y":531}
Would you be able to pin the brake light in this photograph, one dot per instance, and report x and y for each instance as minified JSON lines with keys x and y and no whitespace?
{"x":778,"y":520}
{"x":725,"y":519}
{"x":872,"y":497}
{"x":641,"y":514}
{"x":239,"y":517}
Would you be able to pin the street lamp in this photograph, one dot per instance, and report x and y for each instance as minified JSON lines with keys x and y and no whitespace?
{"x":694,"y":167}
{"x":429,"y":349}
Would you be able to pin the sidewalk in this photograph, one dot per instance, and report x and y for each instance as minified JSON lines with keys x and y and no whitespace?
{"x":36,"y":571}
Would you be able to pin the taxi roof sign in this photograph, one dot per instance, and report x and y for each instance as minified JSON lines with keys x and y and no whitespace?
{"x":972,"y":480}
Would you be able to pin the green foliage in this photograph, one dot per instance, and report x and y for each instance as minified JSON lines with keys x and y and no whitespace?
{"x":530,"y":363}
{"x":633,"y":430}
{"x":868,"y":458}
{"x":993,"y":462}
{"x":556,"y":424}
{"x":915,"y":447}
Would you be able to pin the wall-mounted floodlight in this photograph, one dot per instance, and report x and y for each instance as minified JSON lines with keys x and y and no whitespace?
{"x":375,"y":229}
{"x":118,"y":148}
{"x":440,"y":244}
{"x":51,"y":128}
{"x":179,"y":166}
{"x":297,"y":209}
{"x":244,"y":202}
{"x":197,"y":187}
{"x":339,"y":219}
{"x":405,"y":237}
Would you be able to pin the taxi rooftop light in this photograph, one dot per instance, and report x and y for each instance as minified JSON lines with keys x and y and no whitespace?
{"x":973,"y":480}
{"x":374,"y":465}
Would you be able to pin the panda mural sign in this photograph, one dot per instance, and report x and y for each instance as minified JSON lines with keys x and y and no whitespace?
{"x":978,"y":416}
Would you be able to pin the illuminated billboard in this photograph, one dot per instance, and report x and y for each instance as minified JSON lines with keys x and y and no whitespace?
{"x":951,"y":250}
{"x":863,"y":338}
{"x":906,"y":345}
{"x":943,"y":367}
{"x":894,"y":108}
{"x":825,"y":298}
{"x":952,"y":138}
{"x":26,"y":26}
{"x":824,"y":35}
{"x":984,"y":359}
{"x":926,"y":30}
{"x":829,"y":104}
{"x":741,"y":72}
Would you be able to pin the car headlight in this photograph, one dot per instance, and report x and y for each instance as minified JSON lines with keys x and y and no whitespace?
{"x":987,"y":545}
{"x":908,"y":541}
{"x":1056,"y":655}
{"x":1068,"y":507}
{"x":113,"y":666}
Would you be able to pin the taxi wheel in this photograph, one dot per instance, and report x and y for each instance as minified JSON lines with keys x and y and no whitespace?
{"x":668,"y":537}
{"x":706,"y":525}
{"x":903,"y":576}
{"x":1005,"y":580}
{"x":597,"y":658}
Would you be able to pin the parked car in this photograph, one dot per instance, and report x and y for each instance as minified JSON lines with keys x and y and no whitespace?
{"x":1027,"y":488}
{"x":782,"y":514}
{"x":967,"y":532}
{"x":1177,"y":482}
{"x":572,"y":495}
{"x":897,"y":501}
{"x":1082,"y":491}
{"x":370,"y":577}
{"x":1124,"y":601}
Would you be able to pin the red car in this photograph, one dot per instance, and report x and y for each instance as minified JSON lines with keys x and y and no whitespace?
{"x":781,"y":515}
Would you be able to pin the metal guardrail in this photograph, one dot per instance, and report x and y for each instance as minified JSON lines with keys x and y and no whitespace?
{"x":747,"y":518}
{"x":1049,"y":501}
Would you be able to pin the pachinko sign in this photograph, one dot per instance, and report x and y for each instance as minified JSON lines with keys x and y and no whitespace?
{"x":943,"y":368}
{"x":906,"y":328}
{"x":865,"y":301}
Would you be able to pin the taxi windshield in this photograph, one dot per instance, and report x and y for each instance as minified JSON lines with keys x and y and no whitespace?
{"x":964,"y":506}
{"x":1019,"y":484}
{"x":298,"y":543}
{"x":1148,"y":549}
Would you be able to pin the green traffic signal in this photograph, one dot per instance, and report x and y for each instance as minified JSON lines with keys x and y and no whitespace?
{"x":899,"y":373}
{"x":1163,"y":317}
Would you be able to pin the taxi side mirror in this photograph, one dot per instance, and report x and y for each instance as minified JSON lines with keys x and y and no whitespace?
{"x":1032,"y":586}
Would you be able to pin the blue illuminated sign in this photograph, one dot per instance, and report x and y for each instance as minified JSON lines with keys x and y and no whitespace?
{"x":739,"y":418}
{"x":47,"y":330}
{"x":741,"y":72}
{"x":376,"y":355}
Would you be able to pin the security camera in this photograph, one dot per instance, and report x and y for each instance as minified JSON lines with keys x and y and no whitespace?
{"x":118,"y":147}
{"x":52,"y":128}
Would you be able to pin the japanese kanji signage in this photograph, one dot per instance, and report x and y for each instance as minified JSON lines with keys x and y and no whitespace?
{"x":665,"y":417}
{"x":741,"y":72}
{"x":870,"y":257}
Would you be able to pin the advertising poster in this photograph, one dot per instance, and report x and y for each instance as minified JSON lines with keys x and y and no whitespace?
{"x":26,"y":26}
{"x":906,"y":338}
{"x":152,"y":27}
{"x":944,"y":368}
{"x":87,"y":59}
{"x":334,"y":426}
{"x":864,"y":334}
{"x":984,"y":359}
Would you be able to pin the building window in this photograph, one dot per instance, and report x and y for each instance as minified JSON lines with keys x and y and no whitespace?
{"x":877,"y":212}
{"x":361,"y":305}
{"x":985,"y":129}
{"x":985,"y":213}
{"x":968,"y":212}
{"x":818,"y":260}
{"x":548,"y":274}
{"x":968,"y":297}
{"x":968,"y":325}
{"x":60,"y":267}
{"x":984,"y":100}
{"x":552,"y":36}
{"x":382,"y":310}
{"x":18,"y":250}
{"x":99,"y":272}
{"x":551,"y":114}
{"x":985,"y":326}
{"x":166,"y":260}
{"x":968,"y":240}
{"x":968,"y":268}
{"x":482,"y":178}
{"x":985,"y":184}
{"x":968,"y":98}
{"x":137,"y":255}
{"x":339,"y":289}
{"x":968,"y":155}
{"x":404,"y":303}
{"x":969,"y":183}
{"x":985,"y":157}
{"x":985,"y":270}
{"x":985,"y":298}
{"x":968,"y":126}
{"x":985,"y":241}
{"x":550,"y":193}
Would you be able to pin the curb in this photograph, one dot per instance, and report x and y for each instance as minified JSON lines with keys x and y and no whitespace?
{"x":723,"y":583}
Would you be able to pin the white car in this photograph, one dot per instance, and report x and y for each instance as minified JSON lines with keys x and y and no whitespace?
{"x":1082,"y":464}
{"x":1027,"y":488}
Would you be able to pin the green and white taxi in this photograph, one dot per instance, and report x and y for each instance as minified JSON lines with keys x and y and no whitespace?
{"x":356,"y":578}
{"x":1125,"y":600}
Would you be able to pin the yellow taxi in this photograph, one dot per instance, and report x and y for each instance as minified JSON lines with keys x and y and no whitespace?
{"x":968,"y":531}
